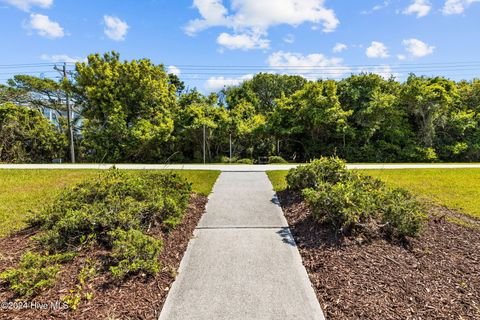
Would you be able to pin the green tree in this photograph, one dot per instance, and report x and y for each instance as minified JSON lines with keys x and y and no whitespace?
{"x":39,"y":93}
{"x":427,"y":102}
{"x":378,"y":130}
{"x":199,"y":111}
{"x":469,"y":93}
{"x":263,"y":90}
{"x":128,"y":108}
{"x":314,"y":118}
{"x":27,"y":136}
{"x":247,"y":128}
{"x":9,"y":94}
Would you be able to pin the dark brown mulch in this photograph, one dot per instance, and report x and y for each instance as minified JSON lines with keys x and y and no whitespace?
{"x":140,"y":297}
{"x":435,"y":276}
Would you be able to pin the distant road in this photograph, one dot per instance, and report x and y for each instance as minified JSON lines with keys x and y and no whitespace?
{"x":232,"y":167}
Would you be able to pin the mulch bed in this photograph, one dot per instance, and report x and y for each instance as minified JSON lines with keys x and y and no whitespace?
{"x":434,"y":276}
{"x":139,"y":297}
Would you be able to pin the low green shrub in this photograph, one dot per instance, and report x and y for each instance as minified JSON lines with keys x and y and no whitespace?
{"x":82,"y":289}
{"x":402,"y":213}
{"x":245,"y":161}
{"x":134,"y":251}
{"x":354,"y":203}
{"x":348,"y":205}
{"x":113,"y":211}
{"x":225,"y":159}
{"x":35,"y":272}
{"x":325,"y":169}
{"x":276,"y":159}
{"x":92,"y":209}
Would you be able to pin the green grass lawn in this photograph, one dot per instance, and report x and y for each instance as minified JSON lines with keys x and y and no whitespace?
{"x":455,"y":188}
{"x":24,"y":190}
{"x":277,"y":178}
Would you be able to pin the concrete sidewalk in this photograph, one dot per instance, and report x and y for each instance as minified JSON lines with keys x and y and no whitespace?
{"x":242,"y":262}
{"x":236,"y":167}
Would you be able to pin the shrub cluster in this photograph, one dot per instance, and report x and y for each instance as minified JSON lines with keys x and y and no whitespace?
{"x":224,"y":159}
{"x":114,"y":211}
{"x":330,"y":170}
{"x":245,"y":161}
{"x":355,"y":203}
{"x":276,"y":159}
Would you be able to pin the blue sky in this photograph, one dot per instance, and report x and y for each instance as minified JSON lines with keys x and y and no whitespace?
{"x":209,"y":42}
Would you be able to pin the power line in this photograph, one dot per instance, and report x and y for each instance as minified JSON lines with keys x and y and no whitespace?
{"x":215,"y":67}
{"x":316,"y":65}
{"x":26,"y":72}
{"x":34,"y":64}
{"x":192,"y":72}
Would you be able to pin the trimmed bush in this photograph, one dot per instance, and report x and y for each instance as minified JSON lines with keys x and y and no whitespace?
{"x":402,"y":213}
{"x":276,"y":159}
{"x":224,"y":159}
{"x":354,"y":203}
{"x":245,"y":161}
{"x":325,"y":169}
{"x":347,"y":205}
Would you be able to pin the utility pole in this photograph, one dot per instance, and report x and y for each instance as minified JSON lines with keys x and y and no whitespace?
{"x":230,"y":158}
{"x":63,"y":72}
{"x":204,"y":144}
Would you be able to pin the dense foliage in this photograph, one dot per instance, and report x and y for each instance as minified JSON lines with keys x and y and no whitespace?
{"x":354,"y":203}
{"x":27,"y":136}
{"x":133,"y":111}
{"x":128,"y":108}
{"x":114,"y":212}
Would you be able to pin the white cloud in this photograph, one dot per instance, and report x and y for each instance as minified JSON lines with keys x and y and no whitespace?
{"x":417,"y":48}
{"x":255,"y":17}
{"x":115,"y":28}
{"x":213,"y":14}
{"x":384,"y":71}
{"x":456,"y":6}
{"x":377,"y":50}
{"x":401,"y":57}
{"x":242,"y":41}
{"x":174,"y":70}
{"x":312,"y":66}
{"x":25,"y":5}
{"x":339,"y":47}
{"x":45,"y":27}
{"x":419,"y":7}
{"x":377,"y":7}
{"x":62,"y":58}
{"x":218,"y":83}
{"x":289,"y":38}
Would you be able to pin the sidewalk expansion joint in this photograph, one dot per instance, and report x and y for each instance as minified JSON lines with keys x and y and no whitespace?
{"x":240,"y":227}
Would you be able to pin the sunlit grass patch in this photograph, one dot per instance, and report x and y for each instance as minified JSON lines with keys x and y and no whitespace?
{"x":24,"y":191}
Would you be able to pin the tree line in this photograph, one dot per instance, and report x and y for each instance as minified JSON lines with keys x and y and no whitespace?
{"x":134,"y":111}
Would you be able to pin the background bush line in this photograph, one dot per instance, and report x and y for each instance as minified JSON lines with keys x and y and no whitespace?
{"x":133,"y":111}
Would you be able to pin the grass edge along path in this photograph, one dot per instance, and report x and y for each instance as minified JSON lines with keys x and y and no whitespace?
{"x":24,"y":191}
{"x":457,"y":189}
